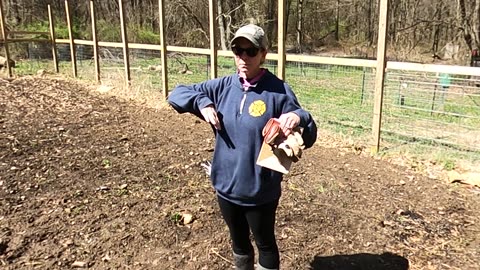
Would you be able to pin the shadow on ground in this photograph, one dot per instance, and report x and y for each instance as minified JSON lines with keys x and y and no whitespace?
{"x":362,"y":261}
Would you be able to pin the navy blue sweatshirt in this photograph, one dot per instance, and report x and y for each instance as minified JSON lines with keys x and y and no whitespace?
{"x":242,"y":115}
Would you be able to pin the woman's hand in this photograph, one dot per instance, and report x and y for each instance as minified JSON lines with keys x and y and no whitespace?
{"x":210,"y":115}
{"x":288,"y":121}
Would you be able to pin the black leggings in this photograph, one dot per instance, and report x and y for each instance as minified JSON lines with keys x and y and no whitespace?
{"x":261,"y":220}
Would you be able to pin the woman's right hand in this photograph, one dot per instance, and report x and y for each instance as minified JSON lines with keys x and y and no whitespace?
{"x":210,"y":115}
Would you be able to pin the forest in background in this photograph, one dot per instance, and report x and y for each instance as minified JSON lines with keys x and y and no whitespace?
{"x":417,"y":29}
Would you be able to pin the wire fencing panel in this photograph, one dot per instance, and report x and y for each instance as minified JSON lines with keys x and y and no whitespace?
{"x":112,"y":66}
{"x":225,"y":66}
{"x":111,"y":62}
{"x":187,"y":68}
{"x":34,"y":57}
{"x":339,"y":97}
{"x":85,"y":62}
{"x":146,"y":68}
{"x":432,"y":108}
{"x":146,"y":71}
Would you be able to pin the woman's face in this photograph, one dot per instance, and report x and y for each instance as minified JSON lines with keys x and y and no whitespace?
{"x":248,"y":66}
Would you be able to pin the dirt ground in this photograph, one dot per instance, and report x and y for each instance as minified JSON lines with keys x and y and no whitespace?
{"x":88,"y":180}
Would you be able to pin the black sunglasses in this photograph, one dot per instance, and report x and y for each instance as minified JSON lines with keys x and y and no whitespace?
{"x":252,"y":51}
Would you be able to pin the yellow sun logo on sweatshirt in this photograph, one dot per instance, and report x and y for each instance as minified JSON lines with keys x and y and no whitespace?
{"x":257,"y":108}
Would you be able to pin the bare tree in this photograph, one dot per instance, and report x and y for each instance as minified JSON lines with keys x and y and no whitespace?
{"x":299,"y":28}
{"x":270,"y":20}
{"x":221,"y":25}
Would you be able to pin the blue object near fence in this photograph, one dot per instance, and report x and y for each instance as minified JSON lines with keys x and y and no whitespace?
{"x":445,"y":80}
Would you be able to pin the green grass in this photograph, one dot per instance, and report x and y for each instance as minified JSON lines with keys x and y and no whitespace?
{"x":337,"y":97}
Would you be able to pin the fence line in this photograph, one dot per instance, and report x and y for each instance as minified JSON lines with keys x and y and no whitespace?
{"x":411,"y":93}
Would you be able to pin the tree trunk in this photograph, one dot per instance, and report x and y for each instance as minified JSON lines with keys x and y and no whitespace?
{"x":270,"y":20}
{"x":476,"y":25}
{"x":299,"y":25}
{"x":287,"y":15}
{"x":465,"y":28}
{"x":337,"y":21}
{"x":437,"y":29}
{"x":12,"y":6}
{"x":370,"y":34}
{"x":221,"y":25}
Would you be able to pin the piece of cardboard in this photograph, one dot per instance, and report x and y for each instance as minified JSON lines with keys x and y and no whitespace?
{"x":274,"y":159}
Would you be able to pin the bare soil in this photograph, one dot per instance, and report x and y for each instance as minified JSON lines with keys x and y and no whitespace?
{"x":88,"y":180}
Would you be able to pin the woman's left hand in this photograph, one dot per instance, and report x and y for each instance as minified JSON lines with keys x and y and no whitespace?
{"x":288,"y":121}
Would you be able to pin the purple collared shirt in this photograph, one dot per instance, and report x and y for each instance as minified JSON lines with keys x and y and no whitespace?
{"x":247,"y":83}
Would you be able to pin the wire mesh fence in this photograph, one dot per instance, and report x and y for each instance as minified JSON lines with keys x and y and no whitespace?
{"x":34,"y":56}
{"x":434,"y":108}
{"x":425,"y":109}
{"x":339,"y":97}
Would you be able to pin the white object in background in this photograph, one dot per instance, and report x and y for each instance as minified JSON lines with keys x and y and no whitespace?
{"x":207,"y":166}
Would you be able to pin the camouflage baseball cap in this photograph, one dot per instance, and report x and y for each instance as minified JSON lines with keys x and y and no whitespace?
{"x":253,"y":33}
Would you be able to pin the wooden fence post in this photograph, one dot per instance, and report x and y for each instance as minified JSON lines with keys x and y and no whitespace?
{"x":163,"y":52}
{"x":52,"y":37}
{"x":213,"y":38}
{"x":95,"y":41}
{"x":281,"y":38}
{"x":73,"y":55}
{"x":5,"y":41}
{"x":380,"y":74}
{"x":126,"y":56}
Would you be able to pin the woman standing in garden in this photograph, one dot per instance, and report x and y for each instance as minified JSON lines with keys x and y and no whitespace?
{"x":238,"y":106}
